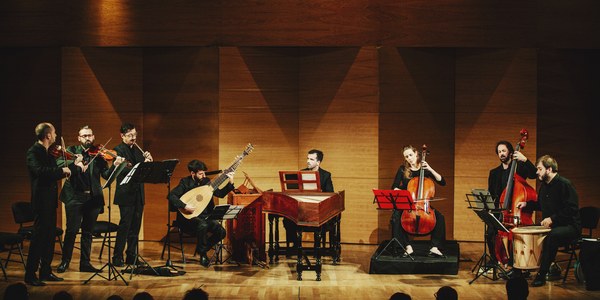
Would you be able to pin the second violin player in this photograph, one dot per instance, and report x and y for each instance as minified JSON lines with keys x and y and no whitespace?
{"x":83,"y":198}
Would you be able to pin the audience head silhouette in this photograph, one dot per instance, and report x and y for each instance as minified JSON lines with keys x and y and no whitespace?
{"x":400,"y":296}
{"x":114,"y":297}
{"x":62,"y":295}
{"x":143,"y":296}
{"x":196,"y":294}
{"x":517,"y":288}
{"x":16,"y":291}
{"x":446,"y":293}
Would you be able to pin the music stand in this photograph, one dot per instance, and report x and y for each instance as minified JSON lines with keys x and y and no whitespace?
{"x":395,"y":200}
{"x":476,"y":201}
{"x":300,"y":181}
{"x":220,"y":213}
{"x":113,"y":273}
{"x":150,"y":172}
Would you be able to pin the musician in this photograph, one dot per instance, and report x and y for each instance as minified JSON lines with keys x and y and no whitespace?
{"x":199,"y":225}
{"x":43,"y":175}
{"x":83,"y":197}
{"x":129,"y":197}
{"x":313,"y":163}
{"x":411,"y":169}
{"x":559,"y":204}
{"x":497,"y":182}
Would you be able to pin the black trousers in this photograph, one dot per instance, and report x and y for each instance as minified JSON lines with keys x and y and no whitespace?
{"x":41,"y":249}
{"x":201,"y":228}
{"x":438,"y":234}
{"x":129,"y":231}
{"x":558,"y":236}
{"x":81,"y":213}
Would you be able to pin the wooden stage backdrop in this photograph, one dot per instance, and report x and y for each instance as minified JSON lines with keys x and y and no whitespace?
{"x":358,"y":81}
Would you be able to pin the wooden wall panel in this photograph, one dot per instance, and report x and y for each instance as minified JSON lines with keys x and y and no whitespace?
{"x":567,"y":124}
{"x":338,"y":115}
{"x":30,"y":91}
{"x":181,"y":121}
{"x":417,"y":108}
{"x":102,"y":88}
{"x":495,"y":99}
{"x":406,"y":23}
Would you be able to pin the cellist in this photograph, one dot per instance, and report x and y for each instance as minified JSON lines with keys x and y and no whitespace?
{"x":408,"y":170}
{"x":497,"y":182}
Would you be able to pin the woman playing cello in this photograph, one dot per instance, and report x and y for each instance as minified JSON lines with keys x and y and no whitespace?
{"x":411,"y":171}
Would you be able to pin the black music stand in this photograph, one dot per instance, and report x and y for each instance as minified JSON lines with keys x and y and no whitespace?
{"x":150,"y":172}
{"x":395,"y":200}
{"x":220,"y":213}
{"x":113,"y":273}
{"x":481,"y":204}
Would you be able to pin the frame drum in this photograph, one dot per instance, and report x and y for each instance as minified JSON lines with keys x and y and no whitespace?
{"x":527,"y":246}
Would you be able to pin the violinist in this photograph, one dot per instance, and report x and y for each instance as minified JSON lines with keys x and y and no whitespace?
{"x":497,"y":182}
{"x":43,"y":174}
{"x":407,"y":171}
{"x":83,"y":197}
{"x":129,"y":197}
{"x":559,"y":204}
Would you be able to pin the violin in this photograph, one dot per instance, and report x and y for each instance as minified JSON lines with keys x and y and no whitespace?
{"x":420,"y":221}
{"x":57,"y":151}
{"x":100,"y":150}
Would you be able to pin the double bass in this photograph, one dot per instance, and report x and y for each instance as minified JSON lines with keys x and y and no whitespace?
{"x":517,"y":190}
{"x":421,"y":220}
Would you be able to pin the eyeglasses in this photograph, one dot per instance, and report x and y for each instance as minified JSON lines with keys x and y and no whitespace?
{"x":86,"y":135}
{"x":130,"y":135}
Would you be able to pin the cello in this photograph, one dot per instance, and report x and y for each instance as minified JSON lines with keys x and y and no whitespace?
{"x":421,"y":220}
{"x":517,"y":190}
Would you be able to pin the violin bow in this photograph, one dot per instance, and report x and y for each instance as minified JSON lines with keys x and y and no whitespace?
{"x":64,"y":153}
{"x":99,"y":150}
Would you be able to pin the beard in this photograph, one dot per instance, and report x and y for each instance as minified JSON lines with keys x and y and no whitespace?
{"x":87,"y":144}
{"x":504,"y":159}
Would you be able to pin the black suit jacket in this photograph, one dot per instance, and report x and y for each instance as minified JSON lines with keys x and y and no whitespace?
{"x":74,"y":187}
{"x":128,"y":194}
{"x":43,"y":174}
{"x":325,"y":178}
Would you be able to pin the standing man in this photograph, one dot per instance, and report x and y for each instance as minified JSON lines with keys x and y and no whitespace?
{"x":497,"y":182}
{"x":313,"y":163}
{"x":200,"y":225}
{"x":43,"y":174}
{"x":129,"y":197}
{"x":83,"y":198}
{"x":559,"y":203}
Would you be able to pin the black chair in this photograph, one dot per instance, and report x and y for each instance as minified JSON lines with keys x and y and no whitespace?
{"x":23,"y":215}
{"x":589,"y":221}
{"x":101,"y":230}
{"x":14,"y":241}
{"x":174,"y":227}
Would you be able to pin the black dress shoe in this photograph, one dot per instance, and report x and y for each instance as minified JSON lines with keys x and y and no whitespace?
{"x":64,"y":265}
{"x":50,"y":277}
{"x":539,"y":280}
{"x":117,"y":261}
{"x":87,"y":267}
{"x":34,"y":282}
{"x":204,"y":260}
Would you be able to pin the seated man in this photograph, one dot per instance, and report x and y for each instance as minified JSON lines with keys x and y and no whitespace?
{"x":200,"y":225}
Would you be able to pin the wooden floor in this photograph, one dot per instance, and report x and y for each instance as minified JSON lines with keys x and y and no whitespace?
{"x":349,"y":280}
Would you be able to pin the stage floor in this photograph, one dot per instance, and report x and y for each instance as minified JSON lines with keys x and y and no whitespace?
{"x":348,"y":280}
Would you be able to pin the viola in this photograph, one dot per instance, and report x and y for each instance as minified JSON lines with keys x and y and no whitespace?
{"x":517,"y":190}
{"x":420,"y":221}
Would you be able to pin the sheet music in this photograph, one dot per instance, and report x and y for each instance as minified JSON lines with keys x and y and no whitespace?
{"x":310,"y":198}
{"x":129,"y":175}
